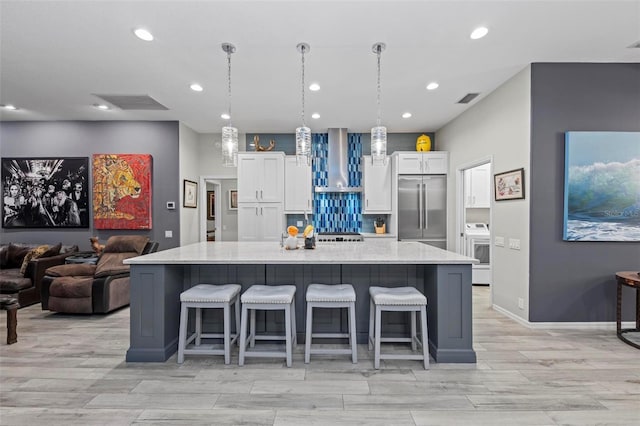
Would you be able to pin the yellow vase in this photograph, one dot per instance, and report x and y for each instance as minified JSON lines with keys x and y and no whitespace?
{"x":423,"y":143}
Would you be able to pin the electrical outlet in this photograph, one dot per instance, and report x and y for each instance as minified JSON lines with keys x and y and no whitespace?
{"x":299,"y":223}
{"x":499,"y":241}
{"x":168,"y":234}
{"x":520,"y":303}
{"x":514,"y":244}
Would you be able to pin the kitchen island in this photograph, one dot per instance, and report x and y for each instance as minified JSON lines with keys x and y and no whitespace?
{"x":157,"y":280}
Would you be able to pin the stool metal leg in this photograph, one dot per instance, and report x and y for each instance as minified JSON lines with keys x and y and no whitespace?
{"x":293,"y":321}
{"x":414,"y":335}
{"x":425,"y":336}
{"x":227,"y":334}
{"x":252,"y":334}
{"x":182,"y":338}
{"x":243,"y":335}
{"x":307,"y":340}
{"x":371,"y":314}
{"x":237,"y":303}
{"x":378,"y":320}
{"x":288,"y":338}
{"x":353,"y":338}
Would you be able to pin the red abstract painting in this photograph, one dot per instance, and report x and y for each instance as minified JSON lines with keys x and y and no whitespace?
{"x":122,"y":191}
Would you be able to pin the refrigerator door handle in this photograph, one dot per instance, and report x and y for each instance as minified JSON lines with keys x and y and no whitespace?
{"x":420,"y":194}
{"x":425,"y":207}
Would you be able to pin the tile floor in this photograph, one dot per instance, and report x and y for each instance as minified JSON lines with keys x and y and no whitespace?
{"x":70,"y":370}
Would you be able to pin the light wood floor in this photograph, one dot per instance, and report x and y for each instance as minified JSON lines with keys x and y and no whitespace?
{"x":70,"y":370}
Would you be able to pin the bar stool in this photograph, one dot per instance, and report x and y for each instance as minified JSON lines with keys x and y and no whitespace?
{"x":268,"y":297}
{"x":404,"y":299}
{"x":331,"y":296}
{"x":208,"y":296}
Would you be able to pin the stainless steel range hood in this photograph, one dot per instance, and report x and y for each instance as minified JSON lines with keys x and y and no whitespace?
{"x":338,"y":164}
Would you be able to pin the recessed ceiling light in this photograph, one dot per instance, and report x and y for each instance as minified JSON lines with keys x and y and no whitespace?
{"x":479,"y":33}
{"x":196,"y":87}
{"x":406,"y":115}
{"x":432,"y":86}
{"x":314,"y":87}
{"x":225,"y":116}
{"x":9,"y":107}
{"x":101,"y":106}
{"x":143,"y":34}
{"x":315,"y":115}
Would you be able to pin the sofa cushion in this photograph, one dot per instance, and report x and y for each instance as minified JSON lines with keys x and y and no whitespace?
{"x":69,"y":248}
{"x":126,"y":243}
{"x":12,"y":281}
{"x":71,"y":287}
{"x":4,"y":251}
{"x":72,"y":269}
{"x":16,"y":254}
{"x":52,"y":251}
{"x":111,"y":263}
{"x":32,"y":254}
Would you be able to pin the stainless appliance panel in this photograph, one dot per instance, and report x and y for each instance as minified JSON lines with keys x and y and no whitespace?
{"x":410,"y":204}
{"x":435,"y":207}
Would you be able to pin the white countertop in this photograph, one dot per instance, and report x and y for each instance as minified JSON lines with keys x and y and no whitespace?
{"x":382,"y":251}
{"x":374,"y":235}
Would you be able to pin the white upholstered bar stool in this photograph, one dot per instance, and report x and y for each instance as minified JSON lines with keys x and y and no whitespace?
{"x":208,"y":296}
{"x":405,"y":299}
{"x":331,"y":296}
{"x":268,"y":297}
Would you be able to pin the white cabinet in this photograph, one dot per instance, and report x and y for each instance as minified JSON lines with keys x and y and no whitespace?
{"x":260,"y":221}
{"x":423,"y":163}
{"x":478,"y":187}
{"x":261,"y":177}
{"x":260,"y":196}
{"x":377,"y":186}
{"x":298,"y":194}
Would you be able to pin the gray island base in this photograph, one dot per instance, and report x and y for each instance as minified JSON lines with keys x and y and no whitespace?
{"x":444,"y":277}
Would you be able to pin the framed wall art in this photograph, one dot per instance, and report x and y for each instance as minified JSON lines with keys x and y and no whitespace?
{"x":211,"y":205}
{"x":233,"y":199}
{"x":122,"y":191}
{"x":190,"y":194}
{"x":602,"y":186}
{"x":509,"y":185}
{"x":45,"y":192}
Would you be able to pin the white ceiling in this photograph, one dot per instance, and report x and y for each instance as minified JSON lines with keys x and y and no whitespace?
{"x":55,"y":55}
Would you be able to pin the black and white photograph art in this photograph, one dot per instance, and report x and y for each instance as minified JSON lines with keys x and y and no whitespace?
{"x":45,"y":192}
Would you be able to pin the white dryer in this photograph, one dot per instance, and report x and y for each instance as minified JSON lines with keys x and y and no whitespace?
{"x":478,"y":246}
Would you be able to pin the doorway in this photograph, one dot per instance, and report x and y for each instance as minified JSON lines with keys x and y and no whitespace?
{"x":474,"y":217}
{"x":218,"y":220}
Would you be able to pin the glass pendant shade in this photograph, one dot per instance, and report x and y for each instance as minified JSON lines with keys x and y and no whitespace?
{"x":378,"y":143}
{"x":229,"y":146}
{"x":303,"y":145}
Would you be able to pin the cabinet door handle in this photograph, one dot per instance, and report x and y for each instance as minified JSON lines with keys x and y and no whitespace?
{"x":256,"y":211}
{"x":261,"y":214}
{"x":257,"y":195}
{"x":261,"y":196}
{"x":474,"y":200}
{"x":367,"y":202}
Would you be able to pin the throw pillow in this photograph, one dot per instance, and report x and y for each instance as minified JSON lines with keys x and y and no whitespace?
{"x":125,"y":243}
{"x":52,"y":251}
{"x":32,"y":254}
{"x":16,"y":254}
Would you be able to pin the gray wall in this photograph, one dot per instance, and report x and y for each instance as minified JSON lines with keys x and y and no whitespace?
{"x":84,"y":138}
{"x":574,"y":281}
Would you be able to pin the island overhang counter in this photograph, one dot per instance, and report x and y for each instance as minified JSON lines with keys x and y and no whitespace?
{"x":157,"y":280}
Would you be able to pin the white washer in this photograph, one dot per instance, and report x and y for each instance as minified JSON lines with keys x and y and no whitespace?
{"x":478,"y":245}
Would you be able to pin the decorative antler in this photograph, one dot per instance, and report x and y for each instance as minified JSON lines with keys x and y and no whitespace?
{"x":258,"y":147}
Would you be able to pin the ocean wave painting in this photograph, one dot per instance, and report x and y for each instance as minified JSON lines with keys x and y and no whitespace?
{"x":602,"y":186}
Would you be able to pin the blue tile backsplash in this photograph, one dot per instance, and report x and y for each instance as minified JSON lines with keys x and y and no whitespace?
{"x":337,"y":211}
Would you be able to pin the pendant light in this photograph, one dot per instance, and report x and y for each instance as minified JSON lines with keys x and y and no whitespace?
{"x":378,"y":133}
{"x":303,"y":133}
{"x":229,"y":133}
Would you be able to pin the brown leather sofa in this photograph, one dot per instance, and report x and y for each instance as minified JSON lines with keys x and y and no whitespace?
{"x":24,"y":285}
{"x":99,"y":288}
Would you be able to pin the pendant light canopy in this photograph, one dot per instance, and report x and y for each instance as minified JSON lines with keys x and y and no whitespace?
{"x":303,"y":133}
{"x":229,"y":133}
{"x":379,"y":132}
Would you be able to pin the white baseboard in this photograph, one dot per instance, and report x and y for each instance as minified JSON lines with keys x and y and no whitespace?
{"x":601,"y":325}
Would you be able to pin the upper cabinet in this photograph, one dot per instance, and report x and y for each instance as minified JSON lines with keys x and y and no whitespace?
{"x":298,"y":194}
{"x":377,"y":186}
{"x":423,"y":163}
{"x":261,"y":177}
{"x":477,"y":187}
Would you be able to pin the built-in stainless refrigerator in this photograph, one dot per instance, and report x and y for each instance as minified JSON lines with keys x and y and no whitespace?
{"x":422,"y":209}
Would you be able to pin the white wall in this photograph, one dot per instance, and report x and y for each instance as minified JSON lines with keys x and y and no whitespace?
{"x":188,"y":161}
{"x":498,"y":125}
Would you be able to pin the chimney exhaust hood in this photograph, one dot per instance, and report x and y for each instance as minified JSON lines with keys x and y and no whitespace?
{"x":338,"y":164}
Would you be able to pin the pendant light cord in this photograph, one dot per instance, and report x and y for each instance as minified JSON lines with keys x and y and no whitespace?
{"x":303,"y":122}
{"x":379,"y":49}
{"x":229,"y":86}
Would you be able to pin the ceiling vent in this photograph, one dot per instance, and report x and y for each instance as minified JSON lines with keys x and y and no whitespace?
{"x":133,"y":102}
{"x":635,"y":45}
{"x":468,"y":98}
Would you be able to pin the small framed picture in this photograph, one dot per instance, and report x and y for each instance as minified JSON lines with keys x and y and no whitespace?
{"x":233,"y":199}
{"x":211,"y":205}
{"x":509,"y":185}
{"x":190,"y":196}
